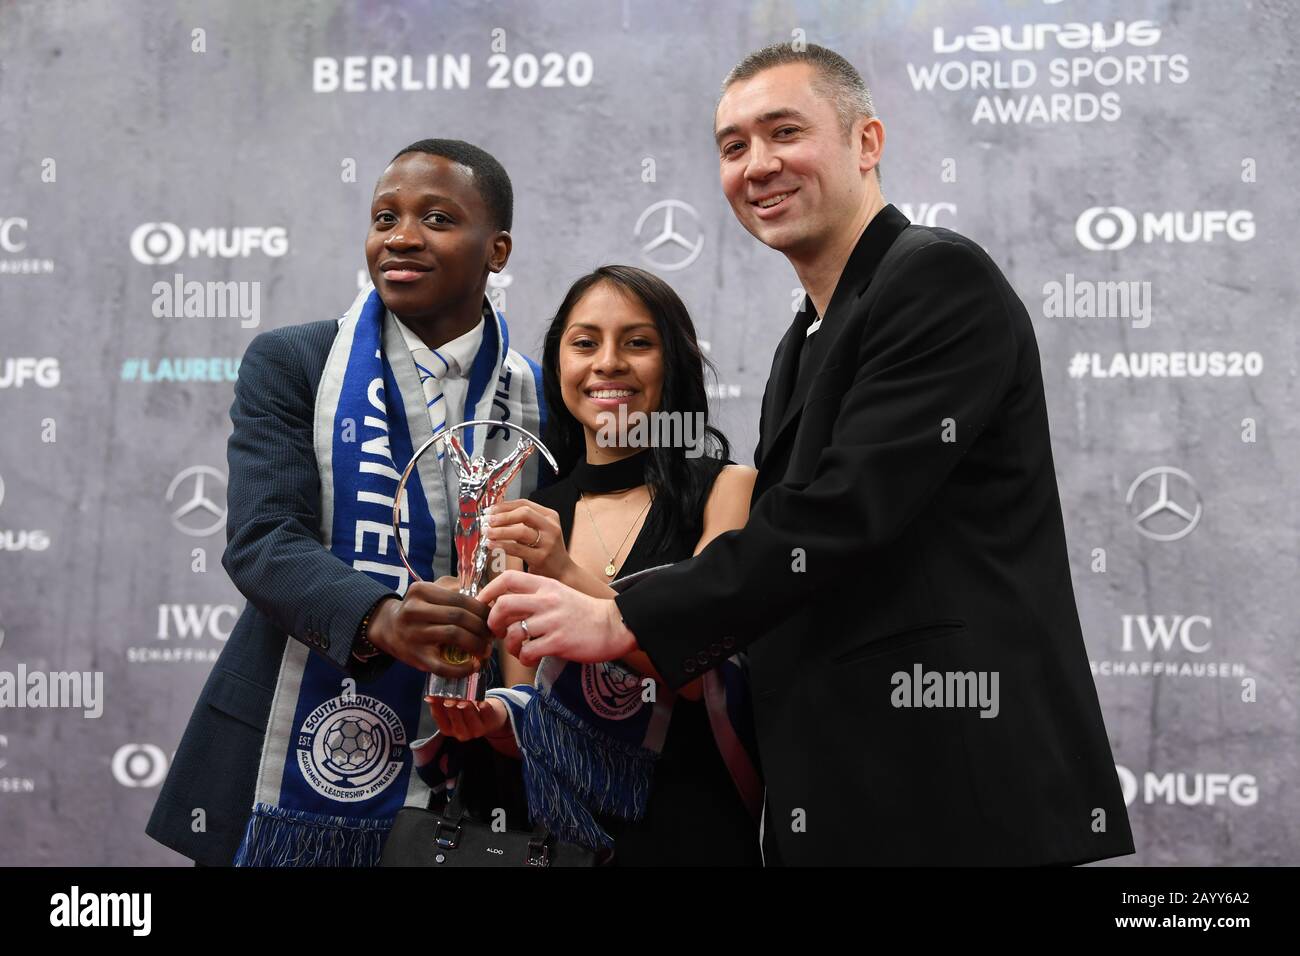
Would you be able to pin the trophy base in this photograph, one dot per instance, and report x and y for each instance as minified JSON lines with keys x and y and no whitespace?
{"x":468,"y":687}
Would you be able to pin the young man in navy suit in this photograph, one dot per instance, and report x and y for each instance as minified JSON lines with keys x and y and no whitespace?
{"x":440,"y":224}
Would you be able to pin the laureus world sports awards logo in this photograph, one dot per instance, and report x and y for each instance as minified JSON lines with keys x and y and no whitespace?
{"x":351,"y":748}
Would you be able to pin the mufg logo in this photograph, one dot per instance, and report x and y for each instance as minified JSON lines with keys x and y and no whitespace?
{"x":1105,"y":228}
{"x":162,"y":243}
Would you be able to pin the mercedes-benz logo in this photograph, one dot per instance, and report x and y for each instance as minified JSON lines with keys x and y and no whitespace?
{"x":1164,"y":519}
{"x":669,"y":234}
{"x":197,"y":501}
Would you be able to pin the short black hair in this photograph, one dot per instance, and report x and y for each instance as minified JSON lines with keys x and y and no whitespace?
{"x":834,"y":79}
{"x":489,"y":175}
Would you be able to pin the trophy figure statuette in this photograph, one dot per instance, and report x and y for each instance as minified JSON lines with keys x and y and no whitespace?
{"x":482,"y":482}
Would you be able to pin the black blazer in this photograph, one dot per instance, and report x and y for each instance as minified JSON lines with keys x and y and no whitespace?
{"x":295,"y":589}
{"x":905,"y":513}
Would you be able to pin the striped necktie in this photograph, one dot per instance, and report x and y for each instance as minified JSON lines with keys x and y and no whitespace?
{"x":433,"y":367}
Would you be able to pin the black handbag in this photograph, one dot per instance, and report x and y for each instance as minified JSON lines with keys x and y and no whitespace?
{"x":424,"y":837}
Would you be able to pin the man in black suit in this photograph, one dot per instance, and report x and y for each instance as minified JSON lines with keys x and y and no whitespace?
{"x":921,"y":690}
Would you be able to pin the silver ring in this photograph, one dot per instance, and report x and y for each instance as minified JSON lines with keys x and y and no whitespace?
{"x":524,"y":627}
{"x":539,"y":539}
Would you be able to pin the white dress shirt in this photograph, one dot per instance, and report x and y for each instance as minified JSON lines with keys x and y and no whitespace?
{"x":458,"y":354}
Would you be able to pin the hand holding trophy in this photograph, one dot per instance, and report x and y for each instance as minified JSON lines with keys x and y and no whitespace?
{"x":481,"y":483}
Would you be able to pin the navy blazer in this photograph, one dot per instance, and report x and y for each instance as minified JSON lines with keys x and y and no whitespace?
{"x":295,"y":589}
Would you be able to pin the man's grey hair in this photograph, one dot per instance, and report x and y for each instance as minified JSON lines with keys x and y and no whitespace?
{"x":836,"y":79}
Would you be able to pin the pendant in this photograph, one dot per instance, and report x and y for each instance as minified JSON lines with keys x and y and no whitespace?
{"x":610,"y":570}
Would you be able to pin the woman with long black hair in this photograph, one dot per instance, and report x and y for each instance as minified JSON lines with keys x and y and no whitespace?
{"x":612,"y":758}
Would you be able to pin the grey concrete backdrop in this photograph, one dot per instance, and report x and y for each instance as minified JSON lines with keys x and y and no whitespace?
{"x":116,"y":115}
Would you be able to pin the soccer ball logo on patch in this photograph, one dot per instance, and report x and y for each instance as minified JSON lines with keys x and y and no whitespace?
{"x":611,"y":691}
{"x":351,"y":748}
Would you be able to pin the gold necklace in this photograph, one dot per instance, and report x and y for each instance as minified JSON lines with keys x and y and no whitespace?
{"x":610,"y":570}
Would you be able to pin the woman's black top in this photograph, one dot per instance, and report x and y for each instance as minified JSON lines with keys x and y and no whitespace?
{"x":694,"y":815}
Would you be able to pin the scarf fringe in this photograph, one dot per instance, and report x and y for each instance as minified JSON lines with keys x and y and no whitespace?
{"x":296,"y":838}
{"x":571,"y":770}
{"x":552,"y":803}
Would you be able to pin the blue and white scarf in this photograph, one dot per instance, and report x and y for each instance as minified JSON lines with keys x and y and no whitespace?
{"x":337,"y":758}
{"x":590,"y":734}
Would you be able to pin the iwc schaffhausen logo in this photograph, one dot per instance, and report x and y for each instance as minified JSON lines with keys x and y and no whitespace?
{"x":351,"y":748}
